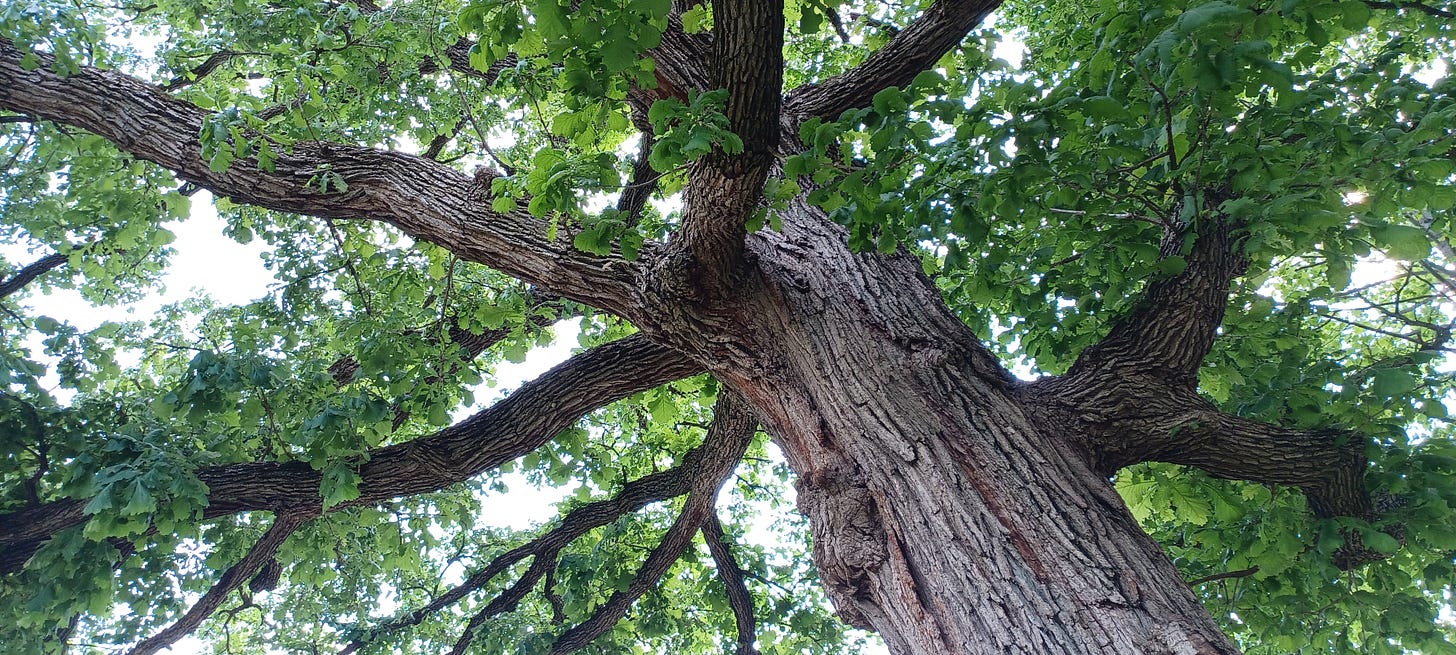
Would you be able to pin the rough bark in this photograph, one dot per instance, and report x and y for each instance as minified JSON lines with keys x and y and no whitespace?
{"x":954,"y":509}
{"x":511,"y":428}
{"x":944,"y":516}
{"x":423,"y":198}
{"x":30,"y":272}
{"x":914,"y":49}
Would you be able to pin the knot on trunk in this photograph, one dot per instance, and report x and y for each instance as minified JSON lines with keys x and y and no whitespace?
{"x":849,"y":537}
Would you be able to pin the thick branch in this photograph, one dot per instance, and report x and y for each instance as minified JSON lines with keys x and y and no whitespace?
{"x":509,"y":429}
{"x":736,"y":424}
{"x":31,"y":271}
{"x":911,"y":51}
{"x":1140,"y":418}
{"x":255,"y":559}
{"x":1173,"y":325}
{"x":421,"y":197}
{"x":732,"y":576}
{"x":748,"y":59}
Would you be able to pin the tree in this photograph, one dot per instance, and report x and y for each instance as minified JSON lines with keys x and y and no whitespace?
{"x":845,"y":223}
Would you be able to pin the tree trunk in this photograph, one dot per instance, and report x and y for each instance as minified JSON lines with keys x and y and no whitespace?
{"x":943,"y":517}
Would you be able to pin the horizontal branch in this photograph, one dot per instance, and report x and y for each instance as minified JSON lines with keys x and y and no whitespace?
{"x":911,"y":51}
{"x":1426,"y":9}
{"x":1226,"y":575}
{"x":421,"y":197}
{"x":511,"y":428}
{"x":1140,"y":418}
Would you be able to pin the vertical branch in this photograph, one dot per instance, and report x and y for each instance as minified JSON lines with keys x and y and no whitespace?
{"x":732,"y":576}
{"x":748,"y":59}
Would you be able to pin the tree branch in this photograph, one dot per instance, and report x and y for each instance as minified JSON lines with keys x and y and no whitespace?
{"x":30,"y":272}
{"x":1226,"y":575}
{"x":423,"y":198}
{"x":344,"y":368}
{"x":511,"y":428}
{"x":720,"y":447}
{"x":260,"y":555}
{"x":1413,"y":6}
{"x":724,"y":189}
{"x":731,"y":574}
{"x":915,"y":49}
{"x":734,"y":421}
{"x":1172,"y":327}
{"x":643,"y":183}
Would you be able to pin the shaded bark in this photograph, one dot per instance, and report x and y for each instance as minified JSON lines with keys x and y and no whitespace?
{"x":954,"y":510}
{"x":914,"y":49}
{"x":722,"y":447}
{"x":421,"y":197}
{"x":734,"y":586}
{"x":257,"y":557}
{"x":513,"y":427}
{"x":724,"y":188}
{"x":30,"y":272}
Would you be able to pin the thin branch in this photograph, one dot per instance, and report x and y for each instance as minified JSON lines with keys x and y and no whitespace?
{"x":1414,"y":6}
{"x":1227,"y":575}
{"x":207,"y":67}
{"x":643,"y":184}
{"x":737,"y":424}
{"x":739,"y":600}
{"x":257,"y":557}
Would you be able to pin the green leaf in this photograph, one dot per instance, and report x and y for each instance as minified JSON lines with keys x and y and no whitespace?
{"x":1402,"y":241}
{"x":1393,"y":382}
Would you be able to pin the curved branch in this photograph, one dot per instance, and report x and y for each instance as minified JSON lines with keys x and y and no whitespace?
{"x":1172,"y":327}
{"x":915,"y":49}
{"x":422,"y":198}
{"x":1142,"y":418}
{"x":255,"y":559}
{"x":30,"y":272}
{"x":731,"y":573}
{"x":511,"y":428}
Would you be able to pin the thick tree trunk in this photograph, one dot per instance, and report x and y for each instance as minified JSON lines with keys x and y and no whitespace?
{"x":944,"y":518}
